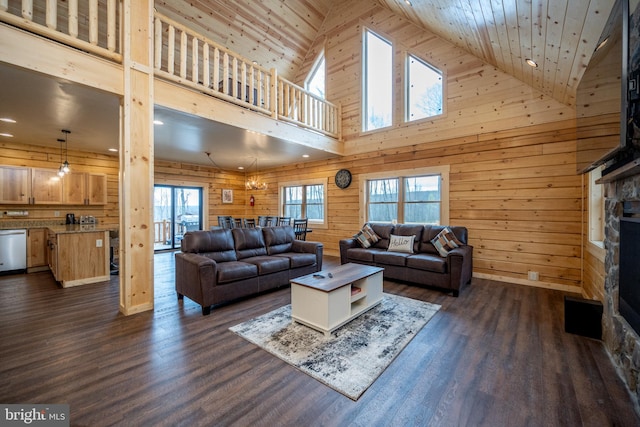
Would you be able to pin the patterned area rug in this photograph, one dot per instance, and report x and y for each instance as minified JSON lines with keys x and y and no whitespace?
{"x":351,"y":359}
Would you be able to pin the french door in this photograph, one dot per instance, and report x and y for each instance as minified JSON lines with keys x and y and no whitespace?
{"x":176,"y":210}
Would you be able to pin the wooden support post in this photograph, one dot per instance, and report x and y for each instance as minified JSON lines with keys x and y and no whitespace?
{"x":136,"y":160}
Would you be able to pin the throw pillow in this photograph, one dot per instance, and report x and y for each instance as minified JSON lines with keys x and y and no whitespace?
{"x":445,"y":241}
{"x":401,"y":244}
{"x":366,"y":237}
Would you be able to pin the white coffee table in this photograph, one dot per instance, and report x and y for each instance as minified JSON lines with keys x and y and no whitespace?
{"x":343,"y":293}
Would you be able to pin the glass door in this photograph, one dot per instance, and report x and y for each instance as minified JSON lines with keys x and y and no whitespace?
{"x":176,"y":211}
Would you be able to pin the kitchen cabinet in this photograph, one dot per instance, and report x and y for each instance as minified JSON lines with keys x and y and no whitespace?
{"x":15,"y":185}
{"x":46,"y":187}
{"x":79,"y":254}
{"x":73,"y":188}
{"x":96,"y":188}
{"x":37,"y":249}
{"x":84,"y":189}
{"x":21,"y":185}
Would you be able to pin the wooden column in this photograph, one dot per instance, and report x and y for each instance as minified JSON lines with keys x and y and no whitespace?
{"x":136,"y":160}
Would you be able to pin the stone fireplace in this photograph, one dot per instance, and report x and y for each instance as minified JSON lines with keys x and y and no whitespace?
{"x":622,"y":342}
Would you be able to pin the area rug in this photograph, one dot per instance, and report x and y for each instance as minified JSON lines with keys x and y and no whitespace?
{"x":351,"y":359}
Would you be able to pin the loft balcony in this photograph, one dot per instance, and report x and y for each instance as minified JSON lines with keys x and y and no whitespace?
{"x":182,"y":58}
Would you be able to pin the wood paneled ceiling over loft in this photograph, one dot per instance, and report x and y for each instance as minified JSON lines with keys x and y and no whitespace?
{"x":560,"y":35}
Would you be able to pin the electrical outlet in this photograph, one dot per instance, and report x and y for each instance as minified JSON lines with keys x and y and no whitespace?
{"x":533,"y":275}
{"x":98,"y":243}
{"x":56,"y":213}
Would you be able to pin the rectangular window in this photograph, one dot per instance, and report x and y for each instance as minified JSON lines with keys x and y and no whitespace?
{"x":377,"y":82}
{"x":382,"y":197}
{"x":292,"y":206}
{"x":422,"y":199}
{"x":304,"y":201}
{"x":596,"y":208}
{"x":406,"y":199}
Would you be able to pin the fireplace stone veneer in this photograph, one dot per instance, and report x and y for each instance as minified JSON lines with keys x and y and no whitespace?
{"x":620,"y":339}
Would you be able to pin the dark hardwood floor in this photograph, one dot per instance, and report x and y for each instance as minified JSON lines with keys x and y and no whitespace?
{"x":496,"y":356}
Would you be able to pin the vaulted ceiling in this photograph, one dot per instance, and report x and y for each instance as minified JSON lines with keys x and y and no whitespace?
{"x":559,"y":35}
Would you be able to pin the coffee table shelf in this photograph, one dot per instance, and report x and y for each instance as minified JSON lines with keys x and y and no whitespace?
{"x":327,"y":303}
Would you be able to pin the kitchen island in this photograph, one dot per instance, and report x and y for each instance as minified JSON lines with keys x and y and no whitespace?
{"x":78,"y":254}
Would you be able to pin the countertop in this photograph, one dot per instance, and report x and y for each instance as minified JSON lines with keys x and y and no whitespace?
{"x":55,"y":226}
{"x":77,"y":228}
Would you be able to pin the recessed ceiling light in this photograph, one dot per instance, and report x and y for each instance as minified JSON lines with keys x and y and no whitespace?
{"x":158,"y":122}
{"x":306,"y":156}
{"x":115,"y":150}
{"x":8,"y":135}
{"x":241,"y":167}
{"x":7,"y":120}
{"x":531,"y":62}
{"x":408,"y":3}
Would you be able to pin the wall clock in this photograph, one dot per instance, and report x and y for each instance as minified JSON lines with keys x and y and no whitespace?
{"x":343,"y":178}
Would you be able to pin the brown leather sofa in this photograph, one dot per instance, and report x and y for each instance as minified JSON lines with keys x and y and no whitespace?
{"x":425,"y":266}
{"x":219,"y":266}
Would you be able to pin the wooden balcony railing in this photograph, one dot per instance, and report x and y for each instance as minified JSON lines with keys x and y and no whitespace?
{"x":185,"y":57}
{"x":90,"y":25}
{"x":180,"y":55}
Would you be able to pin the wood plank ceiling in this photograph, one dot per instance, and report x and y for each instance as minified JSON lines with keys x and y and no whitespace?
{"x":560,"y":35}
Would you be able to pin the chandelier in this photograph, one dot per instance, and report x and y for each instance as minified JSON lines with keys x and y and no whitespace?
{"x":64,"y":166}
{"x":253,"y":182}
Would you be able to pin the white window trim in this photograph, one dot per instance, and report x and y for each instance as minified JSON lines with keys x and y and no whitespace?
{"x":314,"y":69}
{"x":405,"y":84}
{"x":443,"y":171}
{"x":314,"y":181}
{"x":595,"y":224}
{"x":363,"y":91}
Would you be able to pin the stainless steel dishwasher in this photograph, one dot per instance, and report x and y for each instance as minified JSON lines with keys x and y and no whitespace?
{"x":13,"y":250}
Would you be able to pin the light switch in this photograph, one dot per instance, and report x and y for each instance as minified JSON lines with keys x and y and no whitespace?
{"x":98,"y":243}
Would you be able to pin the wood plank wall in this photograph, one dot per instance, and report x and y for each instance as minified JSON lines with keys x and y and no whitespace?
{"x":511,"y":149}
{"x":516,"y":191}
{"x":165,"y":172}
{"x":28,"y":155}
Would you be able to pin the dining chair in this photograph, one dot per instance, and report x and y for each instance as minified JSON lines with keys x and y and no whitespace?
{"x":284,"y":220}
{"x":300,"y":228}
{"x":262,"y":220}
{"x":223,"y":221}
{"x":249,"y":223}
{"x":272,"y":221}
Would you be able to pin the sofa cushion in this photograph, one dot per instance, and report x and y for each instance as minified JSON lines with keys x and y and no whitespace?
{"x":366,"y":236}
{"x":427,"y":262}
{"x":445,"y":241}
{"x":299,"y":259}
{"x":248,"y":242}
{"x":401,"y":244}
{"x":410,"y":230}
{"x":268,"y":264}
{"x":235,"y":270}
{"x":383,"y":230}
{"x":391,"y":258}
{"x":278,"y":239}
{"x":361,"y":254}
{"x":215,"y":244}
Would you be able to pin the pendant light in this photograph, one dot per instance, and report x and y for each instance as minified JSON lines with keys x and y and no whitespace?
{"x":65,"y":165}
